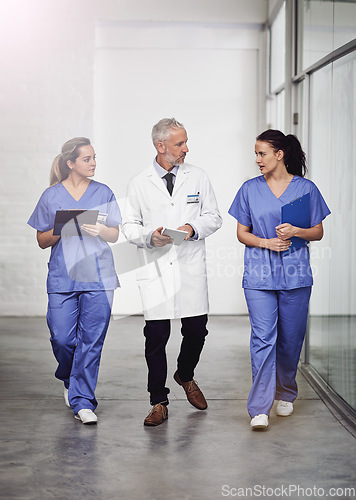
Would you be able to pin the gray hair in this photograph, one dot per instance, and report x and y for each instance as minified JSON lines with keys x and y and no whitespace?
{"x":161,"y":131}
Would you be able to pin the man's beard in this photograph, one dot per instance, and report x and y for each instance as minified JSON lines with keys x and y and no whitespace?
{"x":174,"y":161}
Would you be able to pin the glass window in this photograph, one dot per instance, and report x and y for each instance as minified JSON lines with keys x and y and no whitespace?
{"x":342,"y":343}
{"x":325,"y":25}
{"x":344,"y":23}
{"x":332,"y":166}
{"x":277,"y":50}
{"x":317,"y":30}
{"x":320,"y":168}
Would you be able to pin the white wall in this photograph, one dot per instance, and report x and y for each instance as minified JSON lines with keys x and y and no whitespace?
{"x":46,"y":90}
{"x":228,"y":11}
{"x":193,"y":72}
{"x":52,"y":55}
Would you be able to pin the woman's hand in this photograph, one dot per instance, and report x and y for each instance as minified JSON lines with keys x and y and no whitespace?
{"x":93,"y":229}
{"x":285,"y":231}
{"x":110,"y":234}
{"x":247,"y":238}
{"x":315,"y":233}
{"x":277,"y":245}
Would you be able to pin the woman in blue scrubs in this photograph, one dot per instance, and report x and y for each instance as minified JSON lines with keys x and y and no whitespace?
{"x":277,"y":278}
{"x":81,"y":276}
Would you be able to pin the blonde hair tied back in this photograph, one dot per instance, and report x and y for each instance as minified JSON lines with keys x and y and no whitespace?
{"x":70,"y":152}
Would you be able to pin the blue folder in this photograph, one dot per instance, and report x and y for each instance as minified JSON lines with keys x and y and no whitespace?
{"x":297,"y":213}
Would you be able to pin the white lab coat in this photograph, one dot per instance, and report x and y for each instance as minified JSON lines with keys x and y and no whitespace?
{"x":172,"y":279}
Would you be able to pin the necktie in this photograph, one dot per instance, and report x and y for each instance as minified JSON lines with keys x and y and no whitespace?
{"x":169,"y":179}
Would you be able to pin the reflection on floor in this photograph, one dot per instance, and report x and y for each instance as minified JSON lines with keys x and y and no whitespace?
{"x":333,"y":353}
{"x":202,"y":455}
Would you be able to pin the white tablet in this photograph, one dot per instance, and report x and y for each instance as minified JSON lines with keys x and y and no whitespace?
{"x":176,"y":234}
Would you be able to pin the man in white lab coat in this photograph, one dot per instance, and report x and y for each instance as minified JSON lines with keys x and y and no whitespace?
{"x":172,"y":277}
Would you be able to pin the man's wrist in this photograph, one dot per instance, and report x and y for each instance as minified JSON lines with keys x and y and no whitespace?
{"x":149,"y":240}
{"x":193,"y":233}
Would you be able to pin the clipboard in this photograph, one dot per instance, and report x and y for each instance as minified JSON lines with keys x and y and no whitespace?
{"x":297,"y":213}
{"x":72,"y":220}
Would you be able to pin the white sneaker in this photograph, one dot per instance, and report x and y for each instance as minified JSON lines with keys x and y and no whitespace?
{"x":284,"y":408}
{"x":259,"y":422}
{"x":66,"y":400}
{"x":86,"y":416}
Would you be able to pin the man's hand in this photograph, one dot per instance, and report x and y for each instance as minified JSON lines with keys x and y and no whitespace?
{"x":158,"y":239}
{"x":187,"y":227}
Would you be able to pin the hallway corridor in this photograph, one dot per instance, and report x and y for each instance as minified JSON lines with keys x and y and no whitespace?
{"x":195,"y":455}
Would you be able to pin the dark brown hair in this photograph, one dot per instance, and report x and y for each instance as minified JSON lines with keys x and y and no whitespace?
{"x":294,"y":156}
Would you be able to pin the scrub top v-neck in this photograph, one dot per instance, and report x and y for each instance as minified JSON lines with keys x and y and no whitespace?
{"x":89,"y":187}
{"x":78,"y":264}
{"x":257,"y":207}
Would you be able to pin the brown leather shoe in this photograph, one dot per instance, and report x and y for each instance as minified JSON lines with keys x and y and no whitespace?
{"x":156,"y":416}
{"x":194,"y":394}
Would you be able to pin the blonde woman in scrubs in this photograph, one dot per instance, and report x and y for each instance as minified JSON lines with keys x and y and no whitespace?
{"x":277,"y":281}
{"x":81,"y":274}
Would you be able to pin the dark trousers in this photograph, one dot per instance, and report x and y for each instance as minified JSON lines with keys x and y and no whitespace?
{"x":157,"y":333}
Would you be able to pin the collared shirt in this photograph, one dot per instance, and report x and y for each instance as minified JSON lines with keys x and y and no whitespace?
{"x":162,"y":172}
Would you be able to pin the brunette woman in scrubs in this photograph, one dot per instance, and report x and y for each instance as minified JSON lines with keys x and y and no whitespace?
{"x":81,"y":276}
{"x":277,"y":281}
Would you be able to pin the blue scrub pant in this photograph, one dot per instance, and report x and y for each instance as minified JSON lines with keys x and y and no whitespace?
{"x":278,"y":324}
{"x":78,"y":322}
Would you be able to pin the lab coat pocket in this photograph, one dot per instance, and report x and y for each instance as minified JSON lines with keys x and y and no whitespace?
{"x":149,"y":263}
{"x":196,"y":261}
{"x":146,"y":272}
{"x":191,"y":211}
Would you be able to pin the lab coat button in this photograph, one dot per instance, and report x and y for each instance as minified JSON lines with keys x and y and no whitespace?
{"x":172,"y":204}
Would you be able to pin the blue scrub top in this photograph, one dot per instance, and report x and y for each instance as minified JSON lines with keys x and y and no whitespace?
{"x":78,"y":264}
{"x":257,"y":207}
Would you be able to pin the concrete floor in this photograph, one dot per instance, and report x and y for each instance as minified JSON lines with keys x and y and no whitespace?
{"x":46,"y":453}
